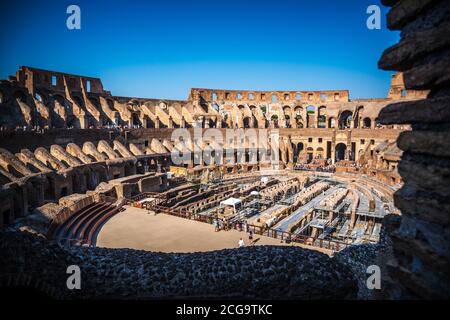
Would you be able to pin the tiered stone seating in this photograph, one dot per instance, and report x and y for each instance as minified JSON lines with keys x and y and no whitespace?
{"x":82,"y":227}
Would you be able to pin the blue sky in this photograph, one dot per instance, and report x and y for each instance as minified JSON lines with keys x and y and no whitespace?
{"x":161,"y":49}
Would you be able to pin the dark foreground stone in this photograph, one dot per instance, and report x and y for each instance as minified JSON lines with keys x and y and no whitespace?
{"x":260,"y":272}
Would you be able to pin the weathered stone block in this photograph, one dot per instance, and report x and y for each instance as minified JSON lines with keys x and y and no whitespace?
{"x":404,"y":11}
{"x":421,"y":111}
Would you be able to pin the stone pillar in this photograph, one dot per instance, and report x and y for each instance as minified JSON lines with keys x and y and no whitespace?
{"x":420,"y":234}
{"x":83,"y":122}
{"x":352,"y":219}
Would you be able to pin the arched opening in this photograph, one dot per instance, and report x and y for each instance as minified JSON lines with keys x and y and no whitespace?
{"x":135,"y":121}
{"x":287,"y":110}
{"x":63,"y":192}
{"x":6,"y":217}
{"x":367,"y":123}
{"x":345,"y":120}
{"x":13,"y":171}
{"x":255,"y":121}
{"x":2,"y":97}
{"x":90,"y":180}
{"x":61,"y":100}
{"x":287,"y":119}
{"x":20,"y":96}
{"x":91,"y":122}
{"x":79,"y":101}
{"x":130,"y":169}
{"x":32,"y":168}
{"x":246,"y":122}
{"x":287,"y":115}
{"x":377,"y":123}
{"x":310,"y":114}
{"x":274,"y":119}
{"x":309,"y":154}
{"x":134,"y":103}
{"x":341,"y":149}
{"x":298,"y":116}
{"x":320,"y":153}
{"x":110,"y":103}
{"x":95,"y":102}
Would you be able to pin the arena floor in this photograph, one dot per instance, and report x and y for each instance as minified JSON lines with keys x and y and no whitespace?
{"x":135,"y":228}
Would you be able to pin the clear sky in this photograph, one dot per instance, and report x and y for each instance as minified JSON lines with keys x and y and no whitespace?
{"x":160,"y":49}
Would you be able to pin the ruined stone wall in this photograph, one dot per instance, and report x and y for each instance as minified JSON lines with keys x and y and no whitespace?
{"x":249,"y":96}
{"x":15,"y":141}
{"x":420,"y":268}
{"x":49,"y":99}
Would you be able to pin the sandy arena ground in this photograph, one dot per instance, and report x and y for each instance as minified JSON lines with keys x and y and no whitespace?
{"x":135,"y":228}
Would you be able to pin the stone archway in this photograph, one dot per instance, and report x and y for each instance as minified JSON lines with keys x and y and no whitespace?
{"x":345,"y":119}
{"x":341,"y":150}
{"x":367,"y":123}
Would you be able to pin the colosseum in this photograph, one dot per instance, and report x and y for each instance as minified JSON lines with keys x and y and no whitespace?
{"x":322,"y":131}
{"x":290,"y":176}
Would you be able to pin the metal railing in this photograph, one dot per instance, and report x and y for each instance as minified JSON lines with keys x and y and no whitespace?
{"x":333,"y":245}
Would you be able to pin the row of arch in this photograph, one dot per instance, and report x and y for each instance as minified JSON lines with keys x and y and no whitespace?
{"x":340,"y":152}
{"x":315,"y":118}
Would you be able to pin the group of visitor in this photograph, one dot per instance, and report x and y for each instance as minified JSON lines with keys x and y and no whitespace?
{"x":222,"y":224}
{"x":241,"y":242}
{"x":308,"y":167}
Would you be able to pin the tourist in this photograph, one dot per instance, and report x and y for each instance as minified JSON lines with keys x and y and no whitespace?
{"x":250,"y":236}
{"x":241,"y":243}
{"x":219,"y":224}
